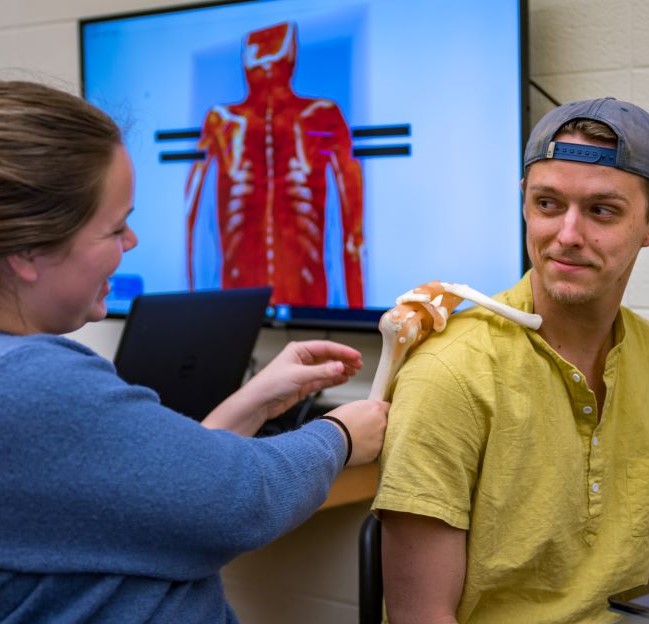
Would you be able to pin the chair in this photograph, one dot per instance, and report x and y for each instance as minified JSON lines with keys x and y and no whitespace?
{"x":370,"y":576}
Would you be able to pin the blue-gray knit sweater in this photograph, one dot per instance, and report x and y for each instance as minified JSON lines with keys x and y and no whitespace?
{"x":114,"y":509}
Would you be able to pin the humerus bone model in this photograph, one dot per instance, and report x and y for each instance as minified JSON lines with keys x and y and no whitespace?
{"x":417,"y":313}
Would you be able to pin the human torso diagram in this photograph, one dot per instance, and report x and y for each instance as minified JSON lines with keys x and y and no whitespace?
{"x":272,"y":152}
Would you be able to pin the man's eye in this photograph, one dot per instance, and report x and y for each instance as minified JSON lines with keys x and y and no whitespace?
{"x":602,"y":211}
{"x":547,"y":204}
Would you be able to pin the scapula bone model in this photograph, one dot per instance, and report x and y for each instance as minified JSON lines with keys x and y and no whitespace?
{"x":422,"y":310}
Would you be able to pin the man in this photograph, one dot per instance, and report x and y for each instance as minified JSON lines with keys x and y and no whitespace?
{"x":272,"y":153}
{"x":515,"y":475}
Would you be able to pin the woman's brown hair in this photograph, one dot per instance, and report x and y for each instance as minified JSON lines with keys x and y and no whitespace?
{"x":55,"y":150}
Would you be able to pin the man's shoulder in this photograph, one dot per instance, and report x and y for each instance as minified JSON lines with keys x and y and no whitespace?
{"x":480,"y":327}
{"x":636,"y":328}
{"x":472,"y":330}
{"x":631,"y":316}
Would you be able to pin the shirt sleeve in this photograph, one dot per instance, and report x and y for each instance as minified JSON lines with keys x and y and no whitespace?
{"x":99,"y":477}
{"x":433,"y":443}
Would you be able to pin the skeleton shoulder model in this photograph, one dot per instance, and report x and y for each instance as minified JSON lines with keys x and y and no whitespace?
{"x":422,"y":310}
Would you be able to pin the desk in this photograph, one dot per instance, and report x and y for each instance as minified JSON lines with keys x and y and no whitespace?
{"x":353,"y":485}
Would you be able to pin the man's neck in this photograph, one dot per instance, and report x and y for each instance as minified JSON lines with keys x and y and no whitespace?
{"x":582,"y":334}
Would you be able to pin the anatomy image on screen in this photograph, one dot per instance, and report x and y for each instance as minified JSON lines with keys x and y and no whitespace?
{"x":272,"y":152}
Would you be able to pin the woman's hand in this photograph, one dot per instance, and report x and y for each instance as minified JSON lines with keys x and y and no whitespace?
{"x":366,"y":422}
{"x":303,"y":368}
{"x":300,"y":369}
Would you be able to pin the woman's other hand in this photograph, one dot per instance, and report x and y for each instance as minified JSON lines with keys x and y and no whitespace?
{"x":300,"y":369}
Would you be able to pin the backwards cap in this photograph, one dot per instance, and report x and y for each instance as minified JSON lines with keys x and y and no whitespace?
{"x":628,"y":121}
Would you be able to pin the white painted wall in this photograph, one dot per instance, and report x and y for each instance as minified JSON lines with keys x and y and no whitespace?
{"x":578,"y":49}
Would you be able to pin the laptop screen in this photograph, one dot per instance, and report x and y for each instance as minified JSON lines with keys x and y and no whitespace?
{"x":193,"y":348}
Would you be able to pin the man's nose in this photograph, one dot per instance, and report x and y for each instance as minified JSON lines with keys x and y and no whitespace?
{"x":571,"y":232}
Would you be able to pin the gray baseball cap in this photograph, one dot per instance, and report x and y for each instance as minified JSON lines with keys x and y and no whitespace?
{"x":628,"y":121}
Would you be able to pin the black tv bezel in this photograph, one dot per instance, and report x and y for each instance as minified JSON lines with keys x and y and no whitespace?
{"x":334,"y":318}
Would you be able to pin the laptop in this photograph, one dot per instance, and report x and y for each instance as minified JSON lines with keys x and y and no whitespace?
{"x":192,"y":348}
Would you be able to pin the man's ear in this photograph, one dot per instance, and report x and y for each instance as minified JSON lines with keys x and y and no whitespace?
{"x":645,"y":242}
{"x":23,"y":265}
{"x":523,"y":184}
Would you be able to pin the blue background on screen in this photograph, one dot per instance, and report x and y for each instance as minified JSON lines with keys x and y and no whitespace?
{"x":450,"y":211}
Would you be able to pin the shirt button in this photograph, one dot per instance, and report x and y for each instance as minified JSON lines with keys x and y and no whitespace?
{"x":595,"y":487}
{"x":595,"y":440}
{"x":576,"y":377}
{"x":587,"y":409}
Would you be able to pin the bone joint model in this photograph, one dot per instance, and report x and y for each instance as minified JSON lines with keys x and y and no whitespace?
{"x":422,"y":310}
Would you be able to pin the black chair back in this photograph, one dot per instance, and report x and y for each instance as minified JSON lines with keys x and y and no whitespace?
{"x":370,"y":582}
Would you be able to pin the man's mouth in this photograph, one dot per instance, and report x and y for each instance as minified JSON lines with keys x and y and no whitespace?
{"x":570,"y":264}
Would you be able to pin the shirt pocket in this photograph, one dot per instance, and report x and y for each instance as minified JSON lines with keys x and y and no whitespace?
{"x":637,"y":484}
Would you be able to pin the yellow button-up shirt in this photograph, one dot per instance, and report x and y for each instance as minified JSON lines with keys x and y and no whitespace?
{"x":492,"y":431}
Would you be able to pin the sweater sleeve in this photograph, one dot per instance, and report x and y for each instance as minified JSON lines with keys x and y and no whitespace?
{"x":97,"y":476}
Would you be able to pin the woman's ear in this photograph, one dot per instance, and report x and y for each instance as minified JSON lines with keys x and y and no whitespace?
{"x":22,"y":264}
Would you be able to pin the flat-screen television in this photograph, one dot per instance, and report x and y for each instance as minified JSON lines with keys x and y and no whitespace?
{"x":340,"y":151}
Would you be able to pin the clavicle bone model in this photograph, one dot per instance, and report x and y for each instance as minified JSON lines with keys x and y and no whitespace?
{"x":422,"y":310}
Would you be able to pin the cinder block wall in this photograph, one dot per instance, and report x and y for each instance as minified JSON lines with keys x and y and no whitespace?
{"x":583,"y":49}
{"x":578,"y":49}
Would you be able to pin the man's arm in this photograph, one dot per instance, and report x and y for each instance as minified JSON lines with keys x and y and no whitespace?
{"x":424,"y":564}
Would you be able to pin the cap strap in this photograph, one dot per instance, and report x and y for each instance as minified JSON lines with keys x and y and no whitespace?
{"x":582,"y":153}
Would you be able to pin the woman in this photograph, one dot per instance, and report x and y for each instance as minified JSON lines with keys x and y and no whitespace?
{"x":113,"y":507}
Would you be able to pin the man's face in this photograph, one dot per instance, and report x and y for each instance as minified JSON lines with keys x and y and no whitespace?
{"x":585,"y":226}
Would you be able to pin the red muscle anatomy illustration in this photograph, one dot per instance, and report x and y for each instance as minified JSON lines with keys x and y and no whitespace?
{"x":272,"y":152}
